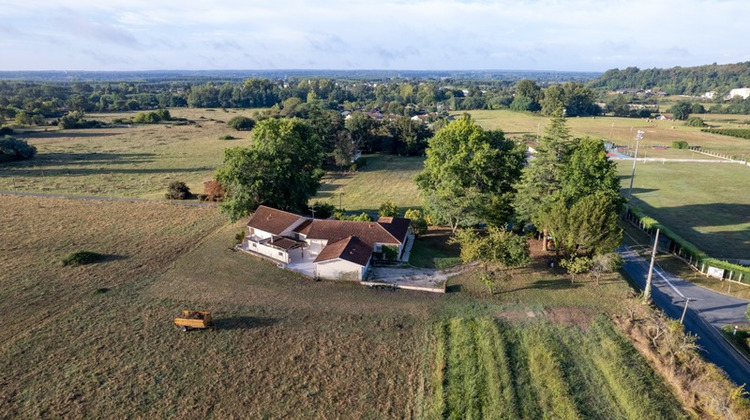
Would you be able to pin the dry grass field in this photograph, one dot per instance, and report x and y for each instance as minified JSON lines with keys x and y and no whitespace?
{"x":384,"y":178}
{"x":125,"y":161}
{"x":623,"y":130}
{"x":98,"y":340}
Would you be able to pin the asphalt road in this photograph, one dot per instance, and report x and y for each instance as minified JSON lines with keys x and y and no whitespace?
{"x":707,"y":312}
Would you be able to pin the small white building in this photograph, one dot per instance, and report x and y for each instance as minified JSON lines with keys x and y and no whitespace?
{"x":744,"y":93}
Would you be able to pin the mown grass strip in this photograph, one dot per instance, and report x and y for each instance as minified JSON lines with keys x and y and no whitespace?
{"x":464,"y":391}
{"x":526,"y":402}
{"x":593,"y":396}
{"x":638,"y":391}
{"x":438,"y":375}
{"x":495,"y":367}
{"x":547,"y":375}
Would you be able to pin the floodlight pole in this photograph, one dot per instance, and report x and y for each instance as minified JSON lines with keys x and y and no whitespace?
{"x":647,"y":290}
{"x":638,"y":138}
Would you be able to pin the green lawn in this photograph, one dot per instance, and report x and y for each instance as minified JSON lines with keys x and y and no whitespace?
{"x":384,"y":178}
{"x":707,"y":204}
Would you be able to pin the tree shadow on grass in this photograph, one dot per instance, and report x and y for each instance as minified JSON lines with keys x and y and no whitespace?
{"x":553,"y":284}
{"x":243,"y":322}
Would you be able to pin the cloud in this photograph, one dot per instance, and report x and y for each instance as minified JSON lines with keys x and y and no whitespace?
{"x":396,"y":34}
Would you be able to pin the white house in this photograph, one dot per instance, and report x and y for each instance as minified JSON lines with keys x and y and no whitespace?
{"x":330,"y":249}
{"x":742,"y":92}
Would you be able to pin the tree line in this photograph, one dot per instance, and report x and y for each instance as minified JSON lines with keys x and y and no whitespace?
{"x":678,"y":80}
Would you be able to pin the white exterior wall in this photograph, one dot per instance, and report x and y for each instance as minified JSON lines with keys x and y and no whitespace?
{"x":258,"y":234}
{"x":339,"y":269}
{"x":271,"y":252}
{"x":743,"y":92}
{"x":316,"y":245}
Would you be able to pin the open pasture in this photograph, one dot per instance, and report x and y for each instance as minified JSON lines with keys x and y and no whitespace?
{"x":622,"y":131}
{"x":135,"y":161}
{"x":98,"y":340}
{"x":384,"y":178}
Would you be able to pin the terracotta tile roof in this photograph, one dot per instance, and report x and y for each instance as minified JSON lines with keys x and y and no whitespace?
{"x":304,"y":227}
{"x":272,"y":220}
{"x":396,"y":226}
{"x":349,"y":249}
{"x":336,"y":230}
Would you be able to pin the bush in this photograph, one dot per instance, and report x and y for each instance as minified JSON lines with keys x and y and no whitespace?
{"x":213,"y":190}
{"x":447,"y":262}
{"x":241,"y":123}
{"x":695,"y":122}
{"x":152,"y":117}
{"x":390,"y":253}
{"x":323,"y":210}
{"x":680,"y":144}
{"x":177,"y":190}
{"x":81,"y":258}
{"x":359,"y":163}
{"x":6,"y":131}
{"x":417,"y":222}
{"x":227,"y":137}
{"x":13,"y":149}
{"x":388,"y":209}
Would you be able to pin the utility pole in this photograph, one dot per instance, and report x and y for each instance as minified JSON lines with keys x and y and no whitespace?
{"x":312,"y":210}
{"x":340,"y":195}
{"x":684,"y":310}
{"x":647,"y":291}
{"x":638,"y":138}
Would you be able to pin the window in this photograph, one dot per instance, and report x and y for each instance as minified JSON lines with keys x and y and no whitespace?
{"x":281,"y":254}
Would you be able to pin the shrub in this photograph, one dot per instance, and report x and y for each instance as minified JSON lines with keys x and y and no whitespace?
{"x":680,"y":144}
{"x":446,"y":262}
{"x":227,"y":137}
{"x":359,"y":163}
{"x":6,"y":131}
{"x":390,"y":252}
{"x":14,"y":149}
{"x":213,"y":190}
{"x":695,"y":122}
{"x":323,"y":210}
{"x":177,"y":190}
{"x":241,"y":123}
{"x":81,"y":258}
{"x":417,"y":222}
{"x":388,"y":209}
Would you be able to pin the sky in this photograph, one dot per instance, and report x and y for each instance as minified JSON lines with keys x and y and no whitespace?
{"x":571,"y":35}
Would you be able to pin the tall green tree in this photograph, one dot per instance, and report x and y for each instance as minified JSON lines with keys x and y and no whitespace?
{"x":543,"y":178}
{"x":588,"y":226}
{"x":589,"y":171}
{"x":281,"y":169}
{"x":469,"y":175}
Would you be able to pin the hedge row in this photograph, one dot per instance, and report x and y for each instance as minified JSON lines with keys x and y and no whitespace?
{"x":742,"y":133}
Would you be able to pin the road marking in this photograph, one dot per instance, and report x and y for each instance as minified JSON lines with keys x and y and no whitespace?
{"x":669,"y":283}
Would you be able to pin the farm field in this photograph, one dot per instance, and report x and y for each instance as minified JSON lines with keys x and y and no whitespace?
{"x":623,"y":130}
{"x":98,"y":339}
{"x":385,"y":177}
{"x":479,"y":368}
{"x":704,"y":203}
{"x":137,"y":161}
